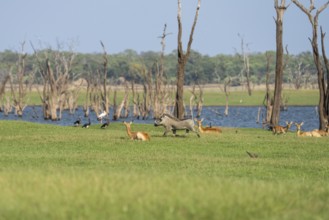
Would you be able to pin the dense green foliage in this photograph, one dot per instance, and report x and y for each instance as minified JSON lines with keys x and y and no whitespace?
{"x":52,"y":172}
{"x":199,"y":69}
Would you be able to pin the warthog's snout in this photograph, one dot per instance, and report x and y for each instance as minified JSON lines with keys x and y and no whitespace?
{"x":157,"y":123}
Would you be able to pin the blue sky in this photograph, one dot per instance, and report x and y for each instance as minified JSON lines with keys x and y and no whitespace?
{"x":132,"y":24}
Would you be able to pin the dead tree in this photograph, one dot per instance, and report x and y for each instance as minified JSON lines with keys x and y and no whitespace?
{"x":323,"y":107}
{"x":54,"y":69}
{"x":20,"y":82}
{"x":105,"y":91}
{"x":280,"y":9}
{"x":147,"y":93}
{"x":227,"y":84}
{"x":119,"y":109}
{"x":115,"y":106}
{"x":159,"y":104}
{"x":268,"y":101}
{"x":136,"y":112}
{"x":72,"y":97}
{"x":182,"y":59}
{"x":3,"y":92}
{"x":246,"y":65}
{"x":88,"y":79}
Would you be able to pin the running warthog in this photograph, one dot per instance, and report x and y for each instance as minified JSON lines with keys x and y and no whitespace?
{"x":173,"y":124}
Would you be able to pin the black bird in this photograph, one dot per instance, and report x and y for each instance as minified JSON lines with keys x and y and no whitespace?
{"x":87,"y":125}
{"x":252,"y":155}
{"x":77,"y":122}
{"x":106,"y":124}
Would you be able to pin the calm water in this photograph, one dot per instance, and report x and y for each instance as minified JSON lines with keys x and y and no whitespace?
{"x":245,"y":117}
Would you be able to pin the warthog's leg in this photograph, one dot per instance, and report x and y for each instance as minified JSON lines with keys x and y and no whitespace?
{"x":187,"y":131}
{"x":166,"y":131}
{"x":195,"y":131}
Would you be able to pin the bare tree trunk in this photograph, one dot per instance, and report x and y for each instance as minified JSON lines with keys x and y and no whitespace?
{"x":160,"y":87}
{"x":3,"y":90}
{"x":326,"y":63}
{"x":268,"y":100}
{"x":246,"y":66}
{"x":136,"y":112}
{"x":20,"y":82}
{"x":182,"y":59}
{"x":227,"y":94}
{"x":280,"y":9}
{"x":105,"y":100}
{"x":115,"y":116}
{"x":126,"y":102}
{"x":323,"y":104}
{"x":55,"y":79}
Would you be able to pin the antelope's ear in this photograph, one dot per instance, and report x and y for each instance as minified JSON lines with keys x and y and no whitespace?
{"x":301,"y":123}
{"x":202,"y":119}
{"x":130,"y":122}
{"x":196,"y":120}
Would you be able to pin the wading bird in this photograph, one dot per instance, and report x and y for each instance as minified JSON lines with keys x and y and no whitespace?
{"x":101,"y":116}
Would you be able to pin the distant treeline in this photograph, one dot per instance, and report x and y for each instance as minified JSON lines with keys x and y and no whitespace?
{"x":201,"y":69}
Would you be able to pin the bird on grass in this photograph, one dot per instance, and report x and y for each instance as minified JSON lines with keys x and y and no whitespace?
{"x":87,"y":125}
{"x":106,"y":124}
{"x":252,"y":155}
{"x":77,"y":122}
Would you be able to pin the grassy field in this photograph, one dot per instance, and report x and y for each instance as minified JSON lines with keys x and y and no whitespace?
{"x":215,"y":97}
{"x":52,"y":172}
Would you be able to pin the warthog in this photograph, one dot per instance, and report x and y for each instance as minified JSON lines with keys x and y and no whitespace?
{"x":173,"y":124}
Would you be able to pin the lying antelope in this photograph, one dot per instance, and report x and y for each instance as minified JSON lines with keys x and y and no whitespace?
{"x":305,"y":133}
{"x":136,"y":135}
{"x":323,"y":132}
{"x":277,"y":129}
{"x":207,"y":129}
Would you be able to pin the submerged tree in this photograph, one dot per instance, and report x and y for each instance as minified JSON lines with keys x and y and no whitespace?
{"x":20,"y":82}
{"x":179,"y":110}
{"x":55,"y":71}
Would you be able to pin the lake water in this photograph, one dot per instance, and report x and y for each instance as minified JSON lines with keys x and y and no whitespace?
{"x":245,"y":117}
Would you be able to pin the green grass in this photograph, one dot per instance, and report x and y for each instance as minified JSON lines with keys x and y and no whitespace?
{"x":217,"y":98}
{"x":53,"y":172}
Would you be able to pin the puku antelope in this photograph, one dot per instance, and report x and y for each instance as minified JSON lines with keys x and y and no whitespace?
{"x":136,"y":135}
{"x":323,"y":132}
{"x":305,"y":133}
{"x":277,"y":129}
{"x":207,"y":130}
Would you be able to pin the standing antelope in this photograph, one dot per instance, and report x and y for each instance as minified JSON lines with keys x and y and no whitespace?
{"x":136,"y":135}
{"x":277,"y":129}
{"x":305,"y":133}
{"x":207,"y":129}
